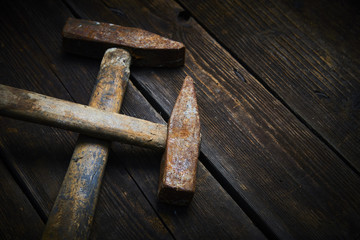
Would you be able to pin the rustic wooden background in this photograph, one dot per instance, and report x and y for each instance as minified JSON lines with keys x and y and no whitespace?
{"x":279,"y":95}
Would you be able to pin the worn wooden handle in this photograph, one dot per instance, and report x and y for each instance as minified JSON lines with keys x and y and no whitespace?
{"x":34,"y":107}
{"x":74,"y":208}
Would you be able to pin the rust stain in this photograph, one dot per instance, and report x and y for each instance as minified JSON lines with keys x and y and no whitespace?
{"x":114,"y":65}
{"x":92,"y":38}
{"x":179,"y":163}
{"x":99,"y":123}
{"x":74,"y":208}
{"x":14,"y":98}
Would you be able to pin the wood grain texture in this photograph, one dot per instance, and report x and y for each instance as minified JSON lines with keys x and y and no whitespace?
{"x":19,"y":220}
{"x":73,"y":212}
{"x":33,"y":107}
{"x":41,"y":154}
{"x":293,"y":183}
{"x":212,"y":214}
{"x":306,"y":52}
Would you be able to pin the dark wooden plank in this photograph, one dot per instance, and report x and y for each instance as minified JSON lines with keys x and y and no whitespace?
{"x":18,"y":69}
{"x":212,"y":214}
{"x":306,"y":52}
{"x":200,"y":217}
{"x":41,"y":154}
{"x":293,"y":184}
{"x":18,"y":218}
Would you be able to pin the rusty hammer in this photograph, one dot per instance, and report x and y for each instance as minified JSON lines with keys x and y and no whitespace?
{"x":74,"y":207}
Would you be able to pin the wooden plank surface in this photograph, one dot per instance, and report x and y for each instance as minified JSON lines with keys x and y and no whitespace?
{"x":128,"y":206}
{"x":19,"y":220}
{"x":282,"y":175}
{"x":41,"y":154}
{"x":306,"y":52}
{"x":288,"y":180}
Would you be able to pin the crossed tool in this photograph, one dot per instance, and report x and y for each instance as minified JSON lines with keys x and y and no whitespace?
{"x":74,"y":207}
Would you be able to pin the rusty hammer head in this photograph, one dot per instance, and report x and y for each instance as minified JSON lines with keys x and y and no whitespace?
{"x":179,"y":163}
{"x":92,"y":39}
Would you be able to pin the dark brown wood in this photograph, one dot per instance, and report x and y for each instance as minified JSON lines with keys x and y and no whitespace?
{"x":29,"y":106}
{"x":122,"y":210}
{"x":19,"y":220}
{"x":289,"y":182}
{"x":41,"y":154}
{"x":179,"y":163}
{"x":72,"y":215}
{"x":287,"y":178}
{"x":91,"y":38}
{"x":306,"y":52}
{"x":212,"y":212}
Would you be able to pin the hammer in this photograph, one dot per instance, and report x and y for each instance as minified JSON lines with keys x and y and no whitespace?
{"x":75,"y":205}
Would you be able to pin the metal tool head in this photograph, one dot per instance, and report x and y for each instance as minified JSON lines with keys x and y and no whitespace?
{"x":179,"y":163}
{"x":91,"y":38}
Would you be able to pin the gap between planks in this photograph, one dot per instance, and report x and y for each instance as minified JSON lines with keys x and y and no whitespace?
{"x":254,"y":217}
{"x":267,"y":87}
{"x":16,"y":175}
{"x":225,"y":184}
{"x":270,"y":94}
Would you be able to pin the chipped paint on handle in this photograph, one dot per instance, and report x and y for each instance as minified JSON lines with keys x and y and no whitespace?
{"x":179,"y":163}
{"x":90,"y":38}
{"x":74,"y":207}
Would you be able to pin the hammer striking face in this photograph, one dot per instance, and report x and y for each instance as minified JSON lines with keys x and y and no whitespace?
{"x":179,"y":163}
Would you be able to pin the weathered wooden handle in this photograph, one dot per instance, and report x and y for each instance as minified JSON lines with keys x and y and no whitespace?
{"x":74,"y":207}
{"x":37,"y":108}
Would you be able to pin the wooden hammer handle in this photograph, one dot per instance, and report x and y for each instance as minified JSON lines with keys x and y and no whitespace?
{"x":74,"y":208}
{"x":38,"y":108}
